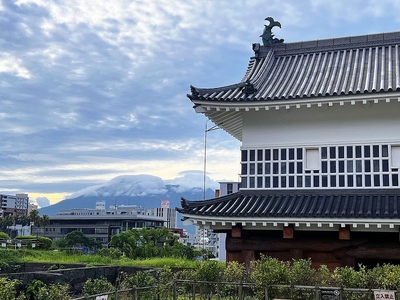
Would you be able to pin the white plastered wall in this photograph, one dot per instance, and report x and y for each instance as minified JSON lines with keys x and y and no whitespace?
{"x":338,"y":124}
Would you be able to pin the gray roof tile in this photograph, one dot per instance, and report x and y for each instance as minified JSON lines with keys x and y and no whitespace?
{"x":341,"y":66}
{"x":324,"y":204}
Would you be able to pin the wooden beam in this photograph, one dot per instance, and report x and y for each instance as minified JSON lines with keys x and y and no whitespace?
{"x":296,"y":253}
{"x":237,"y":231}
{"x":288,"y":232}
{"x":348,"y":261}
{"x":344,"y":233}
{"x":280,"y":244}
{"x":371,"y":250}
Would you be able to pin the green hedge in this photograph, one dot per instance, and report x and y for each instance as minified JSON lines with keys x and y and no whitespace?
{"x":40,"y":242}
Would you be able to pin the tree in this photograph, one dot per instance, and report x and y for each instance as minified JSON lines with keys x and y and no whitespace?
{"x":44,"y":221}
{"x":6,"y":222}
{"x":146,"y":242}
{"x":38,"y":221}
{"x":76,"y":238}
{"x":34,"y":217}
{"x":21,"y":219}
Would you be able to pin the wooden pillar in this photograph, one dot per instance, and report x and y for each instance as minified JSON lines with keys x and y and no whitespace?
{"x":248,"y":256}
{"x":344,"y":233}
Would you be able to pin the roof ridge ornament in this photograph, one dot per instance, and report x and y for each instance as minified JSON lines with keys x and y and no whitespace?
{"x":267,"y":36}
{"x":249,"y":89}
{"x":195,"y":93}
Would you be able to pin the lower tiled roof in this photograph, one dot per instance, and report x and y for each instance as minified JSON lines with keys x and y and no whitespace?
{"x":354,"y":204}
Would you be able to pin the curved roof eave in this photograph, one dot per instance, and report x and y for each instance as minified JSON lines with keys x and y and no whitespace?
{"x":359,"y":68}
{"x":229,"y":116}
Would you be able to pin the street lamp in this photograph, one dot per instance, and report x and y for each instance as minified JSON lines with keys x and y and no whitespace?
{"x":206,"y":130}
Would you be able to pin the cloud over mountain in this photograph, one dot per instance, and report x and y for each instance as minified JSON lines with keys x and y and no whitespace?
{"x":125,"y":185}
{"x":143,"y":190}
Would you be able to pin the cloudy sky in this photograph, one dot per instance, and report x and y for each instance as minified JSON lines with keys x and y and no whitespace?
{"x":94,"y":89}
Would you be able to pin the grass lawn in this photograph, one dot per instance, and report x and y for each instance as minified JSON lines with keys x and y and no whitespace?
{"x":60,"y":257}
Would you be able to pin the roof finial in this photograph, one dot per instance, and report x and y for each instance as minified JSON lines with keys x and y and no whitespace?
{"x":267,"y":35}
{"x":249,"y":89}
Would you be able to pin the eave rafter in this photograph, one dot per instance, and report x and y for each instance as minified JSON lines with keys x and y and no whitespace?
{"x":229,"y":114}
{"x":208,"y":107}
{"x":299,"y":224}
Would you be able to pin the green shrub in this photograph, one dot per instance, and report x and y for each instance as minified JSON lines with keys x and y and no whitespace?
{"x":54,"y":292}
{"x":8,"y":255}
{"x":386,"y":276}
{"x":4,"y":236}
{"x":268,"y":271}
{"x":40,"y":242}
{"x":44,"y":242}
{"x":323,"y":276}
{"x":207,"y":271}
{"x":165,"y":278}
{"x":138,"y":279}
{"x":8,"y":289}
{"x":4,"y":267}
{"x":235,"y":272}
{"x":55,"y":267}
{"x":32,"y":289}
{"x":348,"y":277}
{"x":185,"y":274}
{"x":97,"y":286}
{"x":301,"y":272}
{"x":113,"y":253}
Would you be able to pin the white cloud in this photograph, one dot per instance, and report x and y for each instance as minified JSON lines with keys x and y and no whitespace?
{"x":190,"y":179}
{"x":91,"y":90}
{"x":13,"y":65}
{"x":126,"y":185}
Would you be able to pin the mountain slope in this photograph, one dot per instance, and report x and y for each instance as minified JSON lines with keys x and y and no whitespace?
{"x":142,"y":190}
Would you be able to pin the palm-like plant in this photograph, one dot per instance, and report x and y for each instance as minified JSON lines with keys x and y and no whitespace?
{"x":44,"y":221}
{"x":38,"y":221}
{"x":34,"y":217}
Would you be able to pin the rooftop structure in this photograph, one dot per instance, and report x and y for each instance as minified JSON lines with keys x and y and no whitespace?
{"x":100,"y":223}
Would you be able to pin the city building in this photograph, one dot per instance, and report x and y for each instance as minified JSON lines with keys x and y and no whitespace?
{"x":225,"y":188}
{"x":99,"y":223}
{"x":11,"y":205}
{"x":209,"y":239}
{"x":320,"y":152}
{"x":168,"y":214}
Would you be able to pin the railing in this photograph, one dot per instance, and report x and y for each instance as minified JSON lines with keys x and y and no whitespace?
{"x":134,"y":293}
{"x":206,"y":290}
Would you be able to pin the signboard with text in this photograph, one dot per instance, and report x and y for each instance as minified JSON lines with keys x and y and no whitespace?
{"x":330,"y":294}
{"x":384,"y":295}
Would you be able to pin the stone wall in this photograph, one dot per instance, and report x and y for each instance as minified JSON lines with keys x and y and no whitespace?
{"x":74,"y":275}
